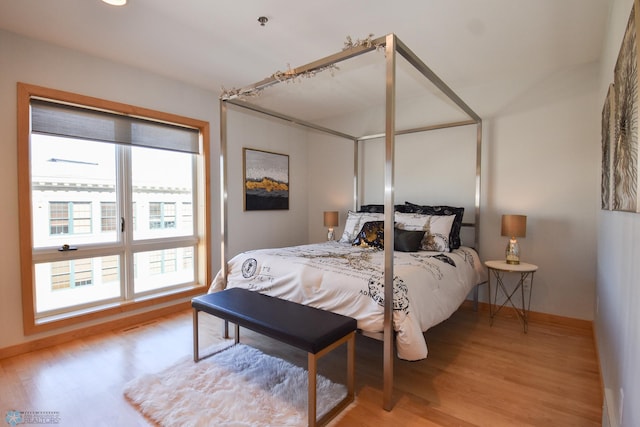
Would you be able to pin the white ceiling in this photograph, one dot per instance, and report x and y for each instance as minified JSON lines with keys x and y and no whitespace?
{"x":212,"y":43}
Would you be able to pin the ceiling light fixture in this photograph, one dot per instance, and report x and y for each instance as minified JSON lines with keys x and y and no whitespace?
{"x":116,"y":2}
{"x":263,"y":20}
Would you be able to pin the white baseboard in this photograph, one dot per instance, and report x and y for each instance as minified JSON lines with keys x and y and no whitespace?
{"x":609,"y":412}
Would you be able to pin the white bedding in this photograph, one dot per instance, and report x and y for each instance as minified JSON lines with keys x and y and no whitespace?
{"x":429,"y":286}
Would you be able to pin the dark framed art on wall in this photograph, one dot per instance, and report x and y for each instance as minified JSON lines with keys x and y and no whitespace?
{"x":266,"y":180}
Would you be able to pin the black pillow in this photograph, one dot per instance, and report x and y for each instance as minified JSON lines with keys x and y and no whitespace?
{"x":407,"y":240}
{"x":380,"y":208}
{"x":371,"y":234}
{"x":454,"y":235}
{"x":372,"y":208}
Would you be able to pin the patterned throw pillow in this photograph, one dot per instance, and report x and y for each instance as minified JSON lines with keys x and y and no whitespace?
{"x":371,"y":235}
{"x":354,"y":223}
{"x":437,"y":238}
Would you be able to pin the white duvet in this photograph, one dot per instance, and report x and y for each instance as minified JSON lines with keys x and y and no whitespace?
{"x":428,"y":286}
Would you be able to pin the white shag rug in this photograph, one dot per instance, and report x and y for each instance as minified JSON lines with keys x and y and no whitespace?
{"x":239,"y":386}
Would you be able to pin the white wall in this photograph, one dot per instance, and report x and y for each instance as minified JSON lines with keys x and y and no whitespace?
{"x":542,"y":160}
{"x":617,"y":318}
{"x":261,"y":229}
{"x":428,"y":166}
{"x":436,"y":167}
{"x":331,"y":183}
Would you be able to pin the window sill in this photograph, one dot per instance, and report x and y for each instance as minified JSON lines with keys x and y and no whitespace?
{"x":50,"y":323}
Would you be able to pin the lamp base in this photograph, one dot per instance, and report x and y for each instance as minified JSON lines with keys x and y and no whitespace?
{"x":330,"y":234}
{"x":513,"y":252}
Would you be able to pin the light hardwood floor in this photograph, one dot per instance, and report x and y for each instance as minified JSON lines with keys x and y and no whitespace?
{"x":475,"y":375}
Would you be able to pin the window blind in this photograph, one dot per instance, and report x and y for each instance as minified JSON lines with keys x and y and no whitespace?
{"x":52,"y":118}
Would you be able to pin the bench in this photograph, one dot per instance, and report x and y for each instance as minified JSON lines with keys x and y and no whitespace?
{"x":310,"y":329}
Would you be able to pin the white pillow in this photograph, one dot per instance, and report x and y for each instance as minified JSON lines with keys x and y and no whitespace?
{"x":437,"y":227}
{"x":437,"y":239}
{"x":354,"y":223}
{"x":412,"y":221}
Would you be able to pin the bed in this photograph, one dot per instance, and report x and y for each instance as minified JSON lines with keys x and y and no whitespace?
{"x":394,"y":293}
{"x":348,"y":280}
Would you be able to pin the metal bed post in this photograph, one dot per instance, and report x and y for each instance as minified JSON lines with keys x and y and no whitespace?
{"x":476,"y":229}
{"x":390,"y":116}
{"x":223,"y":189}
{"x":478,"y":184}
{"x":223,"y":201}
{"x":356,"y":174}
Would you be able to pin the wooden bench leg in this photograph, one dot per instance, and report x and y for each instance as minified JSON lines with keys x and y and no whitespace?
{"x":196,"y":353}
{"x":196,"y":336}
{"x":351,"y":367}
{"x":312,"y":363}
{"x":312,"y":367}
{"x":225,"y":331}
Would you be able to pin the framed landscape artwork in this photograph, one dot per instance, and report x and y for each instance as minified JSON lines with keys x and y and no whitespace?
{"x":266,"y":180}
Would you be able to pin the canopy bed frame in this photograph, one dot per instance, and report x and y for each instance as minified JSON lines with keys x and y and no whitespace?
{"x":391,"y":47}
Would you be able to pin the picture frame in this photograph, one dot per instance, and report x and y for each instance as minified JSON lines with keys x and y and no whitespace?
{"x":608,"y":118}
{"x":265,"y":180}
{"x":624,"y":142}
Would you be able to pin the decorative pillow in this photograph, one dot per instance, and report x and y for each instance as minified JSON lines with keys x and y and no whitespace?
{"x":412,"y":221}
{"x":407,"y":241}
{"x":354,"y":223}
{"x":380,"y":208}
{"x":371,"y":208}
{"x":454,"y":235}
{"x":437,"y":238}
{"x":372,"y":234}
{"x":437,"y":228}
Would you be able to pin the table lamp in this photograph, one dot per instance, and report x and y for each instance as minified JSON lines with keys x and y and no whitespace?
{"x":513,"y":226}
{"x":330,"y":221}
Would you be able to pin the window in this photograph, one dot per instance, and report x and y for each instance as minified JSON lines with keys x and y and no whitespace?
{"x":139,"y":177}
{"x":58,"y":218}
{"x":187,"y":215}
{"x":70,"y":217}
{"x":108,"y":216}
{"x":69,"y":274}
{"x":162,"y":215}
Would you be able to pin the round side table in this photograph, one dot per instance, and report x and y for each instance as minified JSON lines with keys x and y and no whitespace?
{"x":498,"y":269}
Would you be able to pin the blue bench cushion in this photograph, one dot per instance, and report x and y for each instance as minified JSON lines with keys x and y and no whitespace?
{"x":307,"y":328}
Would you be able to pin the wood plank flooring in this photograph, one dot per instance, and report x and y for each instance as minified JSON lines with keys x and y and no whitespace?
{"x":475,"y":375}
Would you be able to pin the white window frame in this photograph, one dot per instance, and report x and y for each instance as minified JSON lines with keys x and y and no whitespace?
{"x":34,"y":324}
